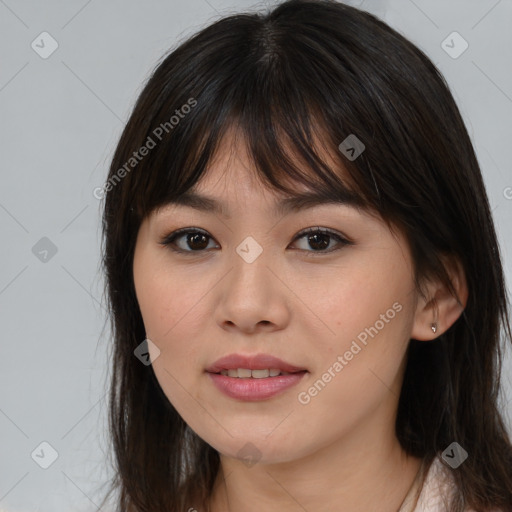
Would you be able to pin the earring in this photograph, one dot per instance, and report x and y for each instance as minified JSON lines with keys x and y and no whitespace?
{"x":434,"y":327}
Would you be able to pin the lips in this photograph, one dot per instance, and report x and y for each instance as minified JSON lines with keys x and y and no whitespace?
{"x":253,"y":362}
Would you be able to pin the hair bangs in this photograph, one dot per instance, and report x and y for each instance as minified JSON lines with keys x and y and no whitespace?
{"x":289,"y":153}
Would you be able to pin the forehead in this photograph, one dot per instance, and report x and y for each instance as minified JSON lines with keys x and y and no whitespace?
{"x":232,"y":180}
{"x":232,"y":173}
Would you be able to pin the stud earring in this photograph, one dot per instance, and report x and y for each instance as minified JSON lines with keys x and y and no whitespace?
{"x":434,"y":327}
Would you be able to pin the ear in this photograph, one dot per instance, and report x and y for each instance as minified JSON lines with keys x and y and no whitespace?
{"x":438,"y":305}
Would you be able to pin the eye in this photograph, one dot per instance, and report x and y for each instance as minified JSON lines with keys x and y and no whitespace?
{"x":195,"y":240}
{"x":320,"y":239}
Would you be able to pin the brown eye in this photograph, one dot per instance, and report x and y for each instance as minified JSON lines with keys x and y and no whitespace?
{"x":187,"y":240}
{"x":319,"y":240}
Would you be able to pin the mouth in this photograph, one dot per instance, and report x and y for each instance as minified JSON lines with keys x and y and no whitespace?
{"x":247,"y":373}
{"x":257,"y":366}
{"x":253,"y":389}
{"x":254,"y":378}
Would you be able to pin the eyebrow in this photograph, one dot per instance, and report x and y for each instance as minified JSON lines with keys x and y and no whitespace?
{"x":299,"y":201}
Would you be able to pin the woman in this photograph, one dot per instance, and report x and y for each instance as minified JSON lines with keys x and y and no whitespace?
{"x":304,"y":278}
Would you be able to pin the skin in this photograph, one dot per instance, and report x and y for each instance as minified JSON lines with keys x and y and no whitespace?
{"x":339,"y":451}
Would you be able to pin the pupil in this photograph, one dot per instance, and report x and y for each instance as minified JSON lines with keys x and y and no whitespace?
{"x":313,"y":240}
{"x":196,"y":238}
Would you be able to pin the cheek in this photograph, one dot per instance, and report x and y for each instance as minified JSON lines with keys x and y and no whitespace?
{"x":171,"y":312}
{"x":358,"y":371}
{"x":369,"y":312}
{"x":168,"y":302}
{"x":354,"y":301}
{"x":174,"y":312}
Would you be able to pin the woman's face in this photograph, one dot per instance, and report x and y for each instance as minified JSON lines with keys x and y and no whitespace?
{"x":246,"y":285}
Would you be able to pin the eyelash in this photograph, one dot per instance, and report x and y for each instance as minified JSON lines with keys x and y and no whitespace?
{"x":168,"y":240}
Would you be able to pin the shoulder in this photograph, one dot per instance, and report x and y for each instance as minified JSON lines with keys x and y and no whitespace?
{"x":438,"y":489}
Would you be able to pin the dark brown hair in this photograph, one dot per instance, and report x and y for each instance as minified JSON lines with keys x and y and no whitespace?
{"x":313,"y":66}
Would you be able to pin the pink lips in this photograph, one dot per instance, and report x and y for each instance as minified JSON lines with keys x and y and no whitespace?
{"x":254,"y":362}
{"x":253,"y":389}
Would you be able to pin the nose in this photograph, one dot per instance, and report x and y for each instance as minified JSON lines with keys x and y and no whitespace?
{"x":251,"y":298}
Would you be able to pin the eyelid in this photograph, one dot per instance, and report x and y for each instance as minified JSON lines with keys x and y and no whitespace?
{"x":323,"y":230}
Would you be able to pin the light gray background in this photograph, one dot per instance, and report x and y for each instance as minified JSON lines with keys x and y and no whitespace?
{"x":60,"y":120}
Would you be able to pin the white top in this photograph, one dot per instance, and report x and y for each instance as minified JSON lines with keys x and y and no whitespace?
{"x":436,"y":492}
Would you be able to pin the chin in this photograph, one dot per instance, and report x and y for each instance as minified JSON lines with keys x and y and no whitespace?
{"x":253,"y":449}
